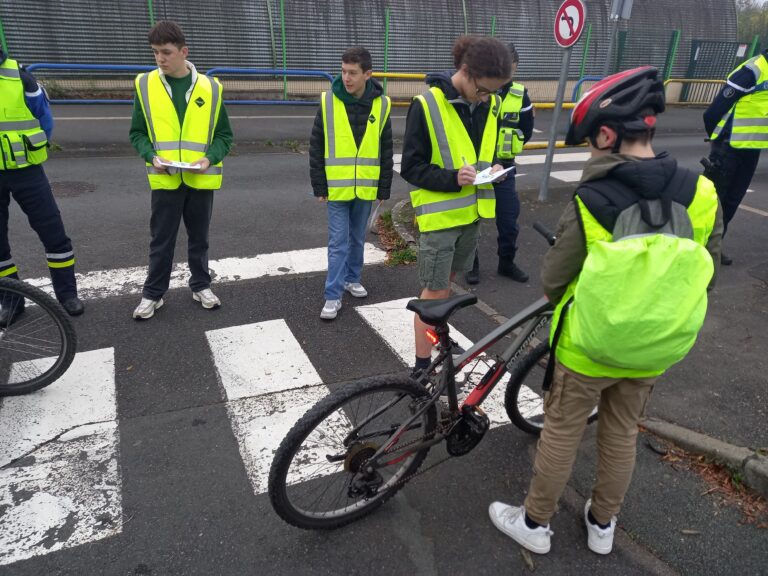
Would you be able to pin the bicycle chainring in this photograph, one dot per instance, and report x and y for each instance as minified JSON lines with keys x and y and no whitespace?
{"x":467,"y":433}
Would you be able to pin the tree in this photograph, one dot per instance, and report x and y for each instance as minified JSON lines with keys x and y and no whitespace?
{"x":752,"y":20}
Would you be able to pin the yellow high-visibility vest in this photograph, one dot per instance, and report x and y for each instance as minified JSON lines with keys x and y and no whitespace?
{"x":451,"y":146}
{"x":22,"y":141}
{"x":352,"y":172}
{"x":185,"y":142}
{"x":750,"y":113}
{"x":511,"y":138}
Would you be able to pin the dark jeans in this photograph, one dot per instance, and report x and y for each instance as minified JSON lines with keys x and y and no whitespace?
{"x":31,"y":190}
{"x":507,"y":212}
{"x":168,"y":209}
{"x":737,"y":166}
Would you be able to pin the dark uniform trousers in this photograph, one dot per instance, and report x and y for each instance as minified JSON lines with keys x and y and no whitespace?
{"x":507,"y":213}
{"x":169,"y":207}
{"x":31,"y":190}
{"x":736,"y":166}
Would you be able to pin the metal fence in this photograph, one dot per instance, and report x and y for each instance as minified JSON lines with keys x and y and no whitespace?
{"x":402,"y":35}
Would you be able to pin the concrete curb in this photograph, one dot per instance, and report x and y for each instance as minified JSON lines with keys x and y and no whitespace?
{"x":752,"y":465}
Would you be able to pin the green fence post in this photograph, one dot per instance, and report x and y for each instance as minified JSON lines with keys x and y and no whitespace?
{"x":621,"y":48}
{"x":674,"y":43}
{"x":464,"y":8}
{"x":151,"y":8}
{"x":386,"y":45}
{"x":584,"y":55}
{"x":282,"y":34}
{"x":493,"y":26}
{"x":2,"y":38}
{"x":753,"y":47}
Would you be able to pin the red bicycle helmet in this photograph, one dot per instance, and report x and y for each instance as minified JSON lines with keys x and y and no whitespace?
{"x":617,"y":100}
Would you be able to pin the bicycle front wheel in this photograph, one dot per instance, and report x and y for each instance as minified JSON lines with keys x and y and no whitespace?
{"x":318,"y":481}
{"x":37,"y":342}
{"x":524,"y":398}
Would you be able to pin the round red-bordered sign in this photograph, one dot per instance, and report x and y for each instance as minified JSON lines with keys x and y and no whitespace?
{"x":569,"y":22}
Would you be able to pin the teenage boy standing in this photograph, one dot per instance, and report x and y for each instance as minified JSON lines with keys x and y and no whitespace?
{"x":178,"y":116}
{"x":350,"y":166}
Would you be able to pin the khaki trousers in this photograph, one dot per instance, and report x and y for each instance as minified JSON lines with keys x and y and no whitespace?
{"x":566,"y":407}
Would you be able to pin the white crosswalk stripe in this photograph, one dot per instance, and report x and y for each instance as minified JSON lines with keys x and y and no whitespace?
{"x":59,"y":469}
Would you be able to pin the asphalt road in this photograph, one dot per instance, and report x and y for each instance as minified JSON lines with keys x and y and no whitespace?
{"x":187,"y":502}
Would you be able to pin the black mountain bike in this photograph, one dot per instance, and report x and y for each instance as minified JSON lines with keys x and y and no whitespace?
{"x":359,"y":445}
{"x":38,"y":344}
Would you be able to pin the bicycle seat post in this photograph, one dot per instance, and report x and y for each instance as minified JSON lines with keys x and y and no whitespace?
{"x":443,"y":332}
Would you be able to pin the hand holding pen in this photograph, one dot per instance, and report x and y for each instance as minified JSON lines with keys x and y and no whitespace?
{"x":466,"y":175}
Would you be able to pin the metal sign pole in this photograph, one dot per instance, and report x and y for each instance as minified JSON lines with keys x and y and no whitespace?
{"x":565,"y":65}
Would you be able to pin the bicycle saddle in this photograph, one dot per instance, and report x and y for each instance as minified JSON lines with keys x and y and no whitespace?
{"x":437,"y":312}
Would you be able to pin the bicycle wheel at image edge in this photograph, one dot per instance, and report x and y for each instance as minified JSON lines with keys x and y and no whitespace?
{"x":314,"y":478}
{"x":39,"y":344}
{"x":524,"y":397}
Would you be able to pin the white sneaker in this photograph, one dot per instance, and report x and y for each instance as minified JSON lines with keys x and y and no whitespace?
{"x":146,"y":308}
{"x":356,"y":289}
{"x":511,"y":521}
{"x":330,"y":309}
{"x":599,"y":540}
{"x":208,"y":299}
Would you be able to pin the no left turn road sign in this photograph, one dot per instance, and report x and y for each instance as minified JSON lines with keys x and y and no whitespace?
{"x":569,"y":22}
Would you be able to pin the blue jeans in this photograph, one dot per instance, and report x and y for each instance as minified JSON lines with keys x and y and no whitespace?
{"x":507,"y":212}
{"x":346,"y":235}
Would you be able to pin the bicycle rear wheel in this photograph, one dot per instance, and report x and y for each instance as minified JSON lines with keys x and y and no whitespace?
{"x":314,"y":479}
{"x":524,"y":398}
{"x":38,"y":345}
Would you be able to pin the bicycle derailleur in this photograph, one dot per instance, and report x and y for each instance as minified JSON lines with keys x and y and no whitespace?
{"x":366,"y":482}
{"x":467,"y":431}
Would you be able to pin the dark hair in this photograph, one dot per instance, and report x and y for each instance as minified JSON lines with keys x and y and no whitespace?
{"x":513,"y":53}
{"x":484,"y":57}
{"x":358,"y":55}
{"x":167,"y":32}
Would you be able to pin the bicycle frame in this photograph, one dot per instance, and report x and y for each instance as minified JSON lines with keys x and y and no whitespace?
{"x":530,"y":319}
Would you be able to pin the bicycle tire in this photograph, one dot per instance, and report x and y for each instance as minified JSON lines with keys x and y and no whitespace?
{"x":21,"y":345}
{"x":290,"y":450}
{"x":524,"y":397}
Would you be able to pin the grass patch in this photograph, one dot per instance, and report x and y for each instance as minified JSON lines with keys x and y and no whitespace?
{"x":398,"y":251}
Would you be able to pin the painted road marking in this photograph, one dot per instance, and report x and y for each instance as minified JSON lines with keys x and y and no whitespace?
{"x":60,"y":484}
{"x":567,"y":175}
{"x":269,"y":383}
{"x":394,"y":324}
{"x":563,"y":157}
{"x":753,"y":210}
{"x":121,"y":281}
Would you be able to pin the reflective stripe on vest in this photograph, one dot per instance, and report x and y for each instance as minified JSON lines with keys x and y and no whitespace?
{"x":451,"y":146}
{"x":510,"y":142}
{"x":352,"y":172}
{"x":702,"y":211}
{"x":185,"y":142}
{"x":22,"y":141}
{"x":749,"y":128}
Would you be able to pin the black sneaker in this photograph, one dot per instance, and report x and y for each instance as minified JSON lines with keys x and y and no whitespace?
{"x":511,"y":270}
{"x":725,"y":260}
{"x":473,"y":276}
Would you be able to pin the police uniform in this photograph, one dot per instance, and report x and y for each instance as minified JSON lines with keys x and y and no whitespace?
{"x":25,"y":127}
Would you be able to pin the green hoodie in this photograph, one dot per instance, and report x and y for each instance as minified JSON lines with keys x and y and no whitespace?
{"x":341,"y":93}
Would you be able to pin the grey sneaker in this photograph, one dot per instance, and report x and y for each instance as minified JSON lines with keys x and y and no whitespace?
{"x":599,"y":540}
{"x":208,"y":299}
{"x":330,"y":309}
{"x":356,"y":289}
{"x":146,"y":308}
{"x":511,"y":521}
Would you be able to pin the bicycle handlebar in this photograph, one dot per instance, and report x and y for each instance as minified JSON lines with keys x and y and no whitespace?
{"x":546,"y":232}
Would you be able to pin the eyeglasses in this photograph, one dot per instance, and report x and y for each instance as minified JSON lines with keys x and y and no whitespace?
{"x":481,"y":90}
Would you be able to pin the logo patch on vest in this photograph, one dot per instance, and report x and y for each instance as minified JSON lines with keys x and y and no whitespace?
{"x":200,"y":101}
{"x":728,"y":92}
{"x":371,"y":118}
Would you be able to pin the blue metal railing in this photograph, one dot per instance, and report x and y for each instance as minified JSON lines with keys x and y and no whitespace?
{"x":577,"y":89}
{"x":100,"y":67}
{"x":272,"y":72}
{"x":284,"y":73}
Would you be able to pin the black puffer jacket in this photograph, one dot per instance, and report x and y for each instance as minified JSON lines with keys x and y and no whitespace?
{"x":358,"y":112}
{"x":417,"y":167}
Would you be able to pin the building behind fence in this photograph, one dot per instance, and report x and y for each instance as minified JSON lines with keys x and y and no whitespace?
{"x":684,"y":38}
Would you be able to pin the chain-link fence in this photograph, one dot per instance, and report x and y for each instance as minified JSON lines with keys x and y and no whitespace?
{"x":402,"y":35}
